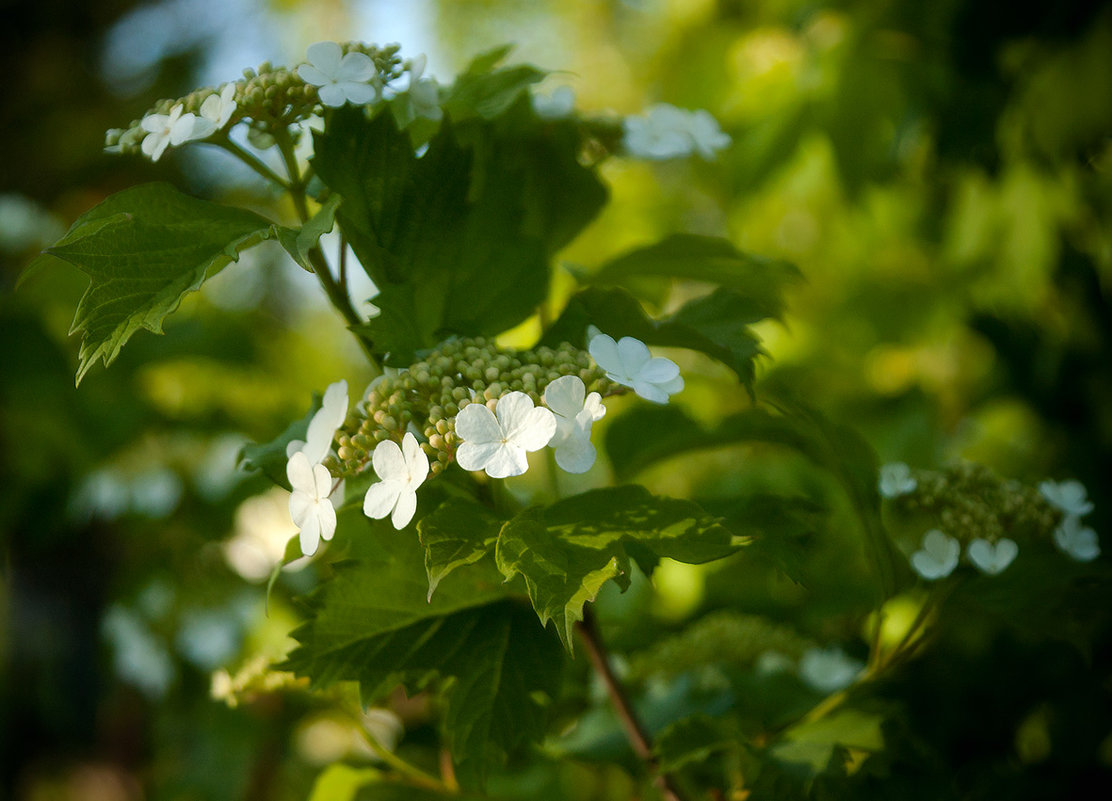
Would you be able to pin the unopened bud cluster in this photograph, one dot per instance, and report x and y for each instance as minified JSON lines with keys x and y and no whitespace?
{"x":970,"y":501}
{"x":426,"y":397}
{"x":270,"y":97}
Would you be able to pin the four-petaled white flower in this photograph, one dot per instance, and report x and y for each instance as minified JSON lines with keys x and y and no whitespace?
{"x":938,"y":557}
{"x":555,"y":106}
{"x":401,"y":470}
{"x":1077,"y":541}
{"x":339,"y":78}
{"x":310,"y":508}
{"x":896,"y":480}
{"x":990,"y":558}
{"x":628,"y":362}
{"x":166,"y":129}
{"x":424,"y":93}
{"x":1068,"y":496}
{"x":575,"y":412}
{"x":667,"y":132}
{"x":322,"y":427}
{"x":216,"y":110}
{"x":497,"y":441}
{"x":829,"y":669}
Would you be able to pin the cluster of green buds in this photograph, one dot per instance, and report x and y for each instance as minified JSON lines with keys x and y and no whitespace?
{"x":426,"y":397}
{"x":269,"y":98}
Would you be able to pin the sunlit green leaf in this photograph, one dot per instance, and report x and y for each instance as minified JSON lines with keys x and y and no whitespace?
{"x":456,"y":534}
{"x":485,"y":90}
{"x":144,"y":249}
{"x":299,"y":241}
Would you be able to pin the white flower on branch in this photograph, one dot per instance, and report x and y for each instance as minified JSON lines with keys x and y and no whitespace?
{"x":992,"y":558}
{"x":629,"y":363}
{"x":322,"y":428}
{"x":310,"y":508}
{"x":575,"y":412}
{"x":938,"y":557}
{"x":497,"y":441}
{"x":164,"y":130}
{"x":1067,"y":496}
{"x":339,"y":78}
{"x":401,"y":471}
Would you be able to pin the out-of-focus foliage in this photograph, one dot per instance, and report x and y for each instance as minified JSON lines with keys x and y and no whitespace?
{"x":940,"y":173}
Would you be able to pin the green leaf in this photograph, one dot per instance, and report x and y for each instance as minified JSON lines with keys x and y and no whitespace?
{"x":760,"y":280}
{"x":456,"y":534}
{"x":567,"y":551}
{"x":693,"y":739}
{"x":447,"y":256}
{"x":372,"y":623}
{"x":270,"y":457}
{"x":486,"y":92}
{"x":144,"y":249}
{"x":808,"y":748}
{"x":715,"y":325}
{"x":835,"y":448}
{"x":299,"y":241}
{"x":340,"y":782}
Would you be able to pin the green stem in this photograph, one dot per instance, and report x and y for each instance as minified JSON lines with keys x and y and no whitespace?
{"x":414,"y":774}
{"x":251,"y":161}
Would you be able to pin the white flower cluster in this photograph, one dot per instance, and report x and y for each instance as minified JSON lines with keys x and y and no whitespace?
{"x":667,"y":132}
{"x":940,"y":553}
{"x":494,"y":440}
{"x":176,"y":128}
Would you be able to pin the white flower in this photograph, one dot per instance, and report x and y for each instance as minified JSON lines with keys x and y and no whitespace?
{"x":1068,"y":496}
{"x":629,"y":363}
{"x":828,"y":669}
{"x":424,"y":94}
{"x":938,"y":557}
{"x":339,"y":78}
{"x":555,"y":106}
{"x":322,"y":428}
{"x":401,"y":470}
{"x":166,"y":129}
{"x":668,"y":132}
{"x":498,"y":444}
{"x":896,"y":480}
{"x":989,"y":558}
{"x":1077,"y":541}
{"x":310,"y":508}
{"x":575,"y":412}
{"x":216,"y":110}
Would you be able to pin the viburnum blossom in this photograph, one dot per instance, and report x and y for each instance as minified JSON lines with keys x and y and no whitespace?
{"x":896,"y":480}
{"x":628,"y":362}
{"x":310,"y":508}
{"x":938,"y":557}
{"x":401,"y":471}
{"x":497,"y":441}
{"x":1068,"y":496}
{"x":216,"y":110}
{"x":165,"y":130}
{"x":829,"y":669}
{"x":555,"y":106}
{"x":575,"y":413}
{"x":667,"y":132}
{"x":339,"y":78}
{"x":322,"y":428}
{"x":992,"y":558}
{"x":1077,"y":541}
{"x":424,"y":93}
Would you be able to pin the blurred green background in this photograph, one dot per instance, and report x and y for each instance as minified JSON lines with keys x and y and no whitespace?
{"x":940,"y":172}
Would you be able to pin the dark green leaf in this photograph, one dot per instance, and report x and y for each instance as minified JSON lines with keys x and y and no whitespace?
{"x":486,"y":92}
{"x":456,"y":534}
{"x":808,"y":748}
{"x":567,"y":551}
{"x":299,"y":241}
{"x":715,"y":325}
{"x":692,"y":740}
{"x":144,"y":249}
{"x":270,"y":457}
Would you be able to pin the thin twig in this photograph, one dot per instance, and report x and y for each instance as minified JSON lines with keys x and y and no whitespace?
{"x":635,"y":730}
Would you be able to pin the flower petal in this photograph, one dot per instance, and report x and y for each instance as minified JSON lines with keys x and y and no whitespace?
{"x":388,"y":462}
{"x":356,"y":67}
{"x":311,"y":75}
{"x":381,"y":498}
{"x":507,"y":460}
{"x":327,"y":517}
{"x":650,"y":391}
{"x":565,"y":395}
{"x":300,"y":473}
{"x":309,"y":535}
{"x":476,"y":455}
{"x":604,"y":350}
{"x":300,"y":506}
{"x":538,"y":430}
{"x":477,"y":424}
{"x":416,"y":461}
{"x":403,"y":511}
{"x":358,"y":94}
{"x":322,"y":480}
{"x":576,"y":454}
{"x":331,"y":95}
{"x":325,"y":56}
{"x":634,"y":354}
{"x":658,"y":370}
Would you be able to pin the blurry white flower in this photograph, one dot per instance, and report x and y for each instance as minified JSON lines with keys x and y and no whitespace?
{"x":828,"y":669}
{"x":575,"y":413}
{"x":629,"y":363}
{"x":339,"y":78}
{"x":896,"y":480}
{"x":164,"y":130}
{"x":216,"y":110}
{"x":401,"y":471}
{"x":138,"y":656}
{"x":938,"y":557}
{"x":668,"y":132}
{"x":1077,"y":541}
{"x":424,"y":93}
{"x":1068,"y":496}
{"x":990,"y":558}
{"x":555,"y":106}
{"x":322,"y":427}
{"x":498,"y":441}
{"x":310,"y":508}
